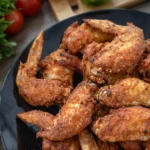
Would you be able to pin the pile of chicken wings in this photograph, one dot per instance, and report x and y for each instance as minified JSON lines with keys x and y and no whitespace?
{"x":109,"y":108}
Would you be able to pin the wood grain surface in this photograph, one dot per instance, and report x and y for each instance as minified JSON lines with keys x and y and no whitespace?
{"x":62,"y":8}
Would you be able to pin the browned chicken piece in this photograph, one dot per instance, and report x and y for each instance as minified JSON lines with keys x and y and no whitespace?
{"x":144,"y":66}
{"x":36,"y":91}
{"x":107,"y":145}
{"x":87,"y":140}
{"x":73,"y":117}
{"x":147,"y":145}
{"x":127,"y":92}
{"x":124,"y":124}
{"x":46,"y":144}
{"x":69,"y":144}
{"x":70,"y":61}
{"x":51,"y":69}
{"x":95,"y":74}
{"x":148,"y":45}
{"x":77,"y":36}
{"x":120,"y":56}
{"x":132,"y":145}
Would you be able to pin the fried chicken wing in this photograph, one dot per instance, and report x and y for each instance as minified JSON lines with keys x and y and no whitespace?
{"x":51,"y":69}
{"x":76,"y":37}
{"x":69,"y":144}
{"x":124,"y":124}
{"x":120,"y":56}
{"x":73,"y":117}
{"x":36,"y":91}
{"x":132,"y":145}
{"x":127,"y":92}
{"x":70,"y":61}
{"x":144,"y":66}
{"x":87,"y":140}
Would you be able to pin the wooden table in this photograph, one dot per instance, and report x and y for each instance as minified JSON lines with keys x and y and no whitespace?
{"x":33,"y":25}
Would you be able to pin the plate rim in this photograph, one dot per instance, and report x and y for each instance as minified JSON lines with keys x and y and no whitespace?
{"x":31,"y":41}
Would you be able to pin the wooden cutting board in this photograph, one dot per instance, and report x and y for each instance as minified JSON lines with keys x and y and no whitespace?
{"x":64,"y":8}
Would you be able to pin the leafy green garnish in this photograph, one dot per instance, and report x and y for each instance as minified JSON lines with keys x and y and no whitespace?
{"x":6,"y":50}
{"x":6,"y":6}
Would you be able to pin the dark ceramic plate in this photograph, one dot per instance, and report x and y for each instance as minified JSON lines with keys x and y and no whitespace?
{"x":18,"y":135}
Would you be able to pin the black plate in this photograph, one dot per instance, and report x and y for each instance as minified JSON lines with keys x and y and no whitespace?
{"x":18,"y":135}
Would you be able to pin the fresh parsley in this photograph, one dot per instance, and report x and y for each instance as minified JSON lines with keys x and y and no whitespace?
{"x":6,"y":46}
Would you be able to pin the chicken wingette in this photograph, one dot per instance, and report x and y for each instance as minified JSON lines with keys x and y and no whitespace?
{"x":74,"y":116}
{"x":127,"y":92}
{"x":43,"y":92}
{"x":124,"y":124}
{"x":69,"y":144}
{"x":119,"y":57}
{"x":76,"y":37}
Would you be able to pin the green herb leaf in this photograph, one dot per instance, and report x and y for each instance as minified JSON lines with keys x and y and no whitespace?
{"x":6,"y":6}
{"x":6,"y":46}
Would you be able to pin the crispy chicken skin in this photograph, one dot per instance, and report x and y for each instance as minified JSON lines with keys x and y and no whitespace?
{"x":107,"y":145}
{"x":38,"y":92}
{"x":95,"y":74}
{"x":144,"y":66}
{"x":148,"y":45}
{"x":124,"y":124}
{"x":69,"y":144}
{"x":121,"y":55}
{"x":87,"y":140}
{"x":51,"y":69}
{"x":127,"y":92}
{"x":73,"y":117}
{"x":76,"y":37}
{"x":70,"y":61}
{"x":46,"y":144}
{"x":132,"y":145}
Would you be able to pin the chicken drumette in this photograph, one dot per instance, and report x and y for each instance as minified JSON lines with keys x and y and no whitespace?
{"x":112,"y":60}
{"x":73,"y":117}
{"x":124,"y":124}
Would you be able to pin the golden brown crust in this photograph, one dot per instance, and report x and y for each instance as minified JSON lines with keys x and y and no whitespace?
{"x":87,"y":140}
{"x":73,"y":117}
{"x":46,"y":145}
{"x":42,"y":92}
{"x":115,"y":56}
{"x":127,"y":92}
{"x":144,"y":66}
{"x":76,"y":37}
{"x":132,"y":145}
{"x":148,"y":45}
{"x":69,"y":144}
{"x":30,"y":67}
{"x":131,"y":123}
{"x":51,"y":69}
{"x":70,"y":61}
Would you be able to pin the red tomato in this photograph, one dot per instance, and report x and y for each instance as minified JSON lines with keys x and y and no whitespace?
{"x":28,"y":7}
{"x":18,"y":23}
